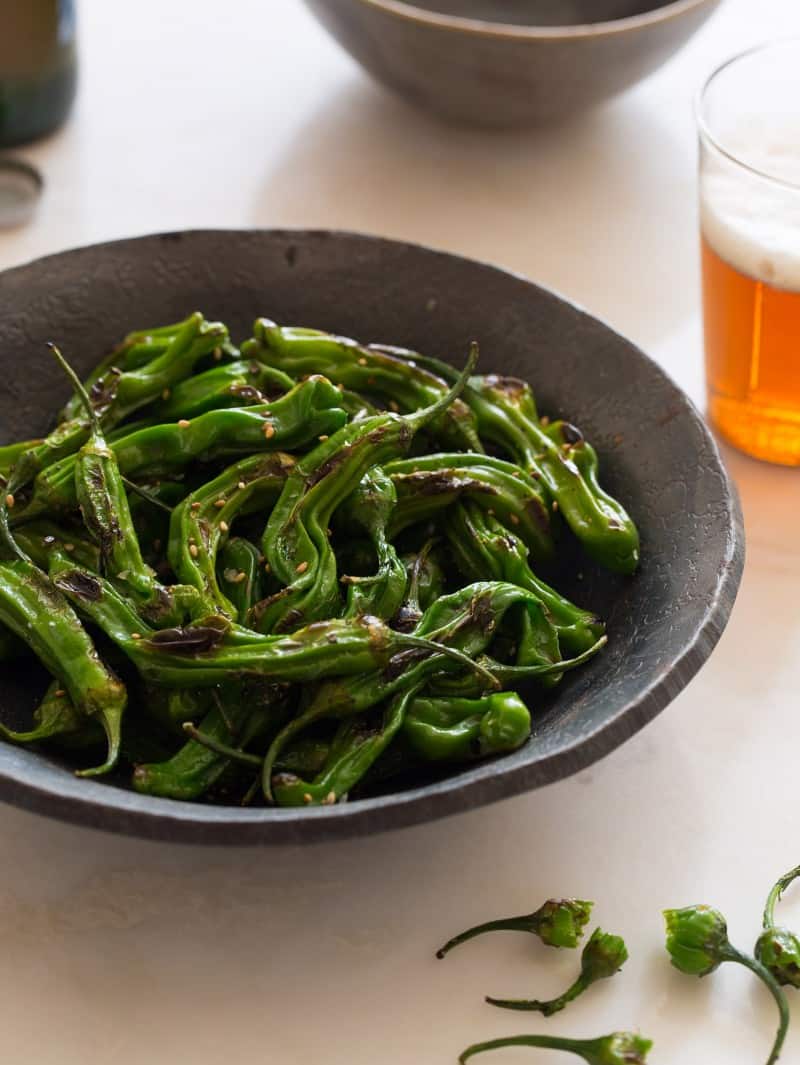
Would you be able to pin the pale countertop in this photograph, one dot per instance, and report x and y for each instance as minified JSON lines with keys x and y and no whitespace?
{"x":120,"y":952}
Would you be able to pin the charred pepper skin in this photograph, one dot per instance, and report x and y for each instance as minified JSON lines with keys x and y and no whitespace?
{"x":361,"y":369}
{"x":33,"y":609}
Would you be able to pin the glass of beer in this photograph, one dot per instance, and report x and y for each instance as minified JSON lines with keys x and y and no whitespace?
{"x":749,"y":118}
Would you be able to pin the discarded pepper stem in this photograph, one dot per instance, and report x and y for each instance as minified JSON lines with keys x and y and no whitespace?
{"x":603,"y":956}
{"x":558,"y":923}
{"x":776,"y":894}
{"x":619,"y":1048}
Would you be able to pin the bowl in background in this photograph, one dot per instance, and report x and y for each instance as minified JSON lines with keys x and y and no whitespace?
{"x":510,"y":62}
{"x":657,"y":457}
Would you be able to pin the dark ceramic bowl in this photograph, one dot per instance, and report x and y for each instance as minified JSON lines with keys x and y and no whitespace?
{"x":656,"y":454}
{"x":510,"y":62}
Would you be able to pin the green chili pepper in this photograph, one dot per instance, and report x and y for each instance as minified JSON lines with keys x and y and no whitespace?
{"x":354,"y":749}
{"x":465,"y":620}
{"x":10,"y":454}
{"x":697,"y":941}
{"x":117,"y":394}
{"x":40,"y":616}
{"x":506,"y":414}
{"x":459,"y":730}
{"x":370,"y":508}
{"x":363,"y":369}
{"x":557,"y":922}
{"x":234,"y":384}
{"x":201,"y":522}
{"x":239,"y":572}
{"x":429,"y":485}
{"x":57,"y":718}
{"x":290,"y":422}
{"x":778,"y":949}
{"x":620,"y":1048}
{"x":296,"y":542}
{"x":482,"y":547}
{"x":104,"y":507}
{"x":602,"y":957}
{"x":40,"y":537}
{"x":197,"y":767}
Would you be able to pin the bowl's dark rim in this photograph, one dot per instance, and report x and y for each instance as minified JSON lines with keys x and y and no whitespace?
{"x":96,"y":805}
{"x":479,"y":27}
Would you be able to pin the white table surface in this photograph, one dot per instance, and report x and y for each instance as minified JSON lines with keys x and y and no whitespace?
{"x":118,"y":952}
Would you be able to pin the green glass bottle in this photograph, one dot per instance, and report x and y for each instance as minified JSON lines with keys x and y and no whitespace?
{"x":38,"y":67}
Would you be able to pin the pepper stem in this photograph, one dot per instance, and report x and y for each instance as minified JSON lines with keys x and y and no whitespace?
{"x":730,"y":953}
{"x":546,"y":1042}
{"x":77,"y":385}
{"x":505,"y":924}
{"x":224,"y":749}
{"x":547,"y":1008}
{"x":775,"y":895}
{"x":422,"y":417}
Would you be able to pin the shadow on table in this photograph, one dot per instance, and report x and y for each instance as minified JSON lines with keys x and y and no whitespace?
{"x":579,"y":207}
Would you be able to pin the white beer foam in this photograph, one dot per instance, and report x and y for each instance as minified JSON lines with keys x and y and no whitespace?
{"x":751,"y":222}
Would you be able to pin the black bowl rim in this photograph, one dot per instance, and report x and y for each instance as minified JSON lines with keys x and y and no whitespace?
{"x":404,"y":9}
{"x":99,"y":806}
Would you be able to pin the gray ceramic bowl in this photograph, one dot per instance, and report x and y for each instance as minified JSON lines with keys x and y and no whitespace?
{"x":656,"y":454}
{"x":531,"y":61}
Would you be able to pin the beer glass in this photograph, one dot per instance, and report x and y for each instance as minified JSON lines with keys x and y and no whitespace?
{"x":749,"y":120}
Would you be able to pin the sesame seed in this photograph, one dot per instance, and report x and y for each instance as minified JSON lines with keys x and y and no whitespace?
{"x":329,"y":799}
{"x":10,"y":500}
{"x":195,"y":505}
{"x":193,"y":550}
{"x":555,"y":505}
{"x":393,"y":405}
{"x":69,"y":547}
{"x":307,"y":798}
{"x":362,"y":361}
{"x":60,"y":693}
{"x":183,"y":424}
{"x":544,"y":422}
{"x":269,"y":430}
{"x":219,"y":503}
{"x":224,"y":526}
{"x":241,"y":485}
{"x":136,"y":636}
{"x":267,"y":567}
{"x":340,"y":386}
{"x":302,"y":567}
{"x":566,"y":447}
{"x":166,"y":394}
{"x":322,"y":437}
{"x":240,"y":576}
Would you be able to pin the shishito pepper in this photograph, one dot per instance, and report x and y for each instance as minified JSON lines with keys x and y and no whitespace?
{"x":35,"y":611}
{"x":296,"y":542}
{"x":369,"y":370}
{"x":163,"y":450}
{"x":506,"y":414}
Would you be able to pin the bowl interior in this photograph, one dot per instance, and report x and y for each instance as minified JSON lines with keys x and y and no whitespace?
{"x":542,"y":12}
{"x":657,"y":457}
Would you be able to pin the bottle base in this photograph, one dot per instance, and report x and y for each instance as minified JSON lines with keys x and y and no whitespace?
{"x":764,"y":432}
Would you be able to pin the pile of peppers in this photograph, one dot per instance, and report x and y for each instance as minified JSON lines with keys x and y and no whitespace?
{"x":293,"y":570}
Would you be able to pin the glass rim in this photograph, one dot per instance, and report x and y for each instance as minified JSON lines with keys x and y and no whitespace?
{"x":705,"y":129}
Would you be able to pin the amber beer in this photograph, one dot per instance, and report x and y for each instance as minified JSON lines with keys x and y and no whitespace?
{"x":749,"y":124}
{"x":752,"y":342}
